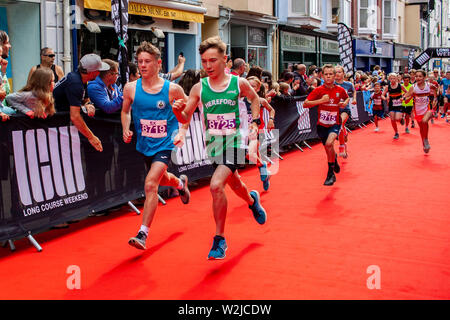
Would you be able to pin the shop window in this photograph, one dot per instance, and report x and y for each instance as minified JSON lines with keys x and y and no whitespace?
{"x":106,"y":45}
{"x":257,"y":56}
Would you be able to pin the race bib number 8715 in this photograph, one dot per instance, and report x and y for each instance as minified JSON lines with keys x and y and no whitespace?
{"x":327,"y":117}
{"x":154,"y":128}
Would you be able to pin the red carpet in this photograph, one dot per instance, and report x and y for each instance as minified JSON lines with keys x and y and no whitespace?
{"x":388,"y":208}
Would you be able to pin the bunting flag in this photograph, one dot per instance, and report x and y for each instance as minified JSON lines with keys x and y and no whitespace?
{"x":119,"y":16}
{"x":345,"y":47}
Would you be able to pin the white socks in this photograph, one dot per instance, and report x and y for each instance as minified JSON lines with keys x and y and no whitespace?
{"x":144,"y":229}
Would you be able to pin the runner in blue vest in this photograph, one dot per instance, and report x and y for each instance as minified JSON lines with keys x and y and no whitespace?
{"x":157,"y":131}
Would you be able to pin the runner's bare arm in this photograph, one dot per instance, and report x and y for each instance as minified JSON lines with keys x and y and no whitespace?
{"x":408,"y":96}
{"x":125,"y":115}
{"x":311,"y":103}
{"x":247,"y":91}
{"x":271,"y":110}
{"x":176,"y":94}
{"x":183,"y":110}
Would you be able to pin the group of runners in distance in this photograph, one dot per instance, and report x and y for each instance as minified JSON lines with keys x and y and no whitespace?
{"x":161,"y":112}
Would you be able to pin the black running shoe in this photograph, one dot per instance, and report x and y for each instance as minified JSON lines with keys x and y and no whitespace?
{"x":185,"y":194}
{"x":138,"y":241}
{"x":331,"y":179}
{"x":336,"y":168}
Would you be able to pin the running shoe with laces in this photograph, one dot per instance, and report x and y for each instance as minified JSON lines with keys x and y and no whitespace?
{"x":258,"y":211}
{"x":377,"y":129}
{"x":185,"y":194}
{"x":396,"y":136}
{"x":138,"y":241}
{"x":426,"y":146}
{"x":218,"y":249}
{"x":407,"y":130}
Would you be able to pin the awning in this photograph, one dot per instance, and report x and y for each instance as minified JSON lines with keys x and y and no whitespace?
{"x":143,"y":9}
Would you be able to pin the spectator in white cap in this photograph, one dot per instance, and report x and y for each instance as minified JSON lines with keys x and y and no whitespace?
{"x":69,"y":94}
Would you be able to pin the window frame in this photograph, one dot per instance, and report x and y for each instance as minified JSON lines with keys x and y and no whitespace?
{"x":393,"y":23}
{"x":344,"y":17}
{"x":371,"y":23}
{"x":308,"y":9}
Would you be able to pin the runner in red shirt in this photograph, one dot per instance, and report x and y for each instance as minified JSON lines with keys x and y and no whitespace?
{"x":329,"y":98}
{"x":376,"y":99}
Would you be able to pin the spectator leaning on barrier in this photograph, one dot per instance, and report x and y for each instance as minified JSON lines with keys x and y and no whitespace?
{"x":104,"y":92}
{"x":35,"y":99}
{"x":69,"y":94}
{"x":48,"y":61}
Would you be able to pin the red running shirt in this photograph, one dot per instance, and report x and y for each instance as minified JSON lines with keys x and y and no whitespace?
{"x":377,"y":102}
{"x":328,"y":112}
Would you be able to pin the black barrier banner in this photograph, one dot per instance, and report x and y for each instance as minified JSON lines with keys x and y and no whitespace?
{"x":294,"y":122}
{"x":50,"y":174}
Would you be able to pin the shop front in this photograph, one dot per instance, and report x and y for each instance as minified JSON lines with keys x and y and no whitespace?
{"x":171,"y":26}
{"x":401,"y":55}
{"x":329,"y":52}
{"x":297,"y":48}
{"x":369,"y":54}
{"x":248,"y":36}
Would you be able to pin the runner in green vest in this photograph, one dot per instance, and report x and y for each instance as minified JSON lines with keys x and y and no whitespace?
{"x":224,"y":121}
{"x":407,"y":107}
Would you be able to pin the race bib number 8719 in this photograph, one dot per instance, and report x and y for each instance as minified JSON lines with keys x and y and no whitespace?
{"x":154,"y":128}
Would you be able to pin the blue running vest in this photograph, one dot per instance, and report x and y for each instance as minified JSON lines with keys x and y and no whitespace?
{"x":154,"y":121}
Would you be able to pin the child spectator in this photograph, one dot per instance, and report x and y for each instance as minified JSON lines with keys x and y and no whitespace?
{"x":35,"y":99}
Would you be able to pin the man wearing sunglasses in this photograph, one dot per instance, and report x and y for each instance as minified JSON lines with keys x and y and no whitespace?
{"x":48,"y":61}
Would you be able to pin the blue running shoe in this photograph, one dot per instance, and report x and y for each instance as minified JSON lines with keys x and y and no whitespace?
{"x":218,"y":248}
{"x":266,"y":184}
{"x":258,"y":211}
{"x":264,"y":172}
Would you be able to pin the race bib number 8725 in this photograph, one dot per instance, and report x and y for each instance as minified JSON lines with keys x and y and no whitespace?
{"x":221,"y":124}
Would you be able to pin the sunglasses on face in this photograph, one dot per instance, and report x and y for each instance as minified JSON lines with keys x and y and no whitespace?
{"x":49,"y":55}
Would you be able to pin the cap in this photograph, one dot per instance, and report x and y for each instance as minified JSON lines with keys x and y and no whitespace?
{"x":92,"y":62}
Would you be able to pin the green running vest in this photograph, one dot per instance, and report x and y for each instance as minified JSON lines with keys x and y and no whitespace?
{"x":223,"y":117}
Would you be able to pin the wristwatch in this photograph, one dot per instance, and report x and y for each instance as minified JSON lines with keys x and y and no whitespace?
{"x":271,"y":118}
{"x":257,"y":121}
